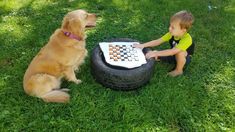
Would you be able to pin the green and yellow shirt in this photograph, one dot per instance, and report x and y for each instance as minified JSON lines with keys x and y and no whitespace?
{"x":182,"y":43}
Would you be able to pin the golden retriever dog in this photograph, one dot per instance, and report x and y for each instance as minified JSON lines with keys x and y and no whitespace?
{"x":59,"y":58}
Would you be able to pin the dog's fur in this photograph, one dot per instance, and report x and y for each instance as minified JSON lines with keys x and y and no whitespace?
{"x":59,"y":58}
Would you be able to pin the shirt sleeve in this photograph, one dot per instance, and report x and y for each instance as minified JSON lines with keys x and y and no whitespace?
{"x":184,"y":43}
{"x":166,"y":37}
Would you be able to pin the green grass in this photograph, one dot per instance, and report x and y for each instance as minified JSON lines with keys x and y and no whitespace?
{"x":203,"y":99}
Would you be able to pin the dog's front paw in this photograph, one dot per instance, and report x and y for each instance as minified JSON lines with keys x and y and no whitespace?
{"x":77,"y":81}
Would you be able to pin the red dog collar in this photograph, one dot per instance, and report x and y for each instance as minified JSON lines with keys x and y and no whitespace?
{"x":70,"y":35}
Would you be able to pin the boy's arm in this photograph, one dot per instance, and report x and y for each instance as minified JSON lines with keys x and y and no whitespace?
{"x":167,"y":52}
{"x":153,"y":43}
{"x":150,"y":44}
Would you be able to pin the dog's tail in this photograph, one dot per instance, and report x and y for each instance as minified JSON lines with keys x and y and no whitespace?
{"x":57,"y":95}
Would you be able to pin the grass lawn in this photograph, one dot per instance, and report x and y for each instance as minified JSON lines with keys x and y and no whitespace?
{"x":203,"y":99}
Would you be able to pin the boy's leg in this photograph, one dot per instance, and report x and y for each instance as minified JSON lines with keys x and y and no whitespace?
{"x":180,"y":62}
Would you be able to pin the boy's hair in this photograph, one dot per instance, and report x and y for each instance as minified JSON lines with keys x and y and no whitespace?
{"x":185,"y":17}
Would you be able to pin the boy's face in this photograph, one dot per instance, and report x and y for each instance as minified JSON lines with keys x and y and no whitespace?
{"x":175,"y":29}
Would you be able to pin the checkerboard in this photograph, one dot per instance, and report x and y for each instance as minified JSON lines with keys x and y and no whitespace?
{"x":122,"y":54}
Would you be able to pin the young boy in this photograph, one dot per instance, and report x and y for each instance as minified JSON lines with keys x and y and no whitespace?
{"x":179,"y":39}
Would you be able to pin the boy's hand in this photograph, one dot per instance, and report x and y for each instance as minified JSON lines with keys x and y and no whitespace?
{"x":151,"y":54}
{"x":137,"y":45}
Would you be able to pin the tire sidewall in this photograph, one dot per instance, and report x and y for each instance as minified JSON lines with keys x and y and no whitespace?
{"x":120,"y":79}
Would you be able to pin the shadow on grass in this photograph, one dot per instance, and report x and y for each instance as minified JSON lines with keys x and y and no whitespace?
{"x":182,"y":103}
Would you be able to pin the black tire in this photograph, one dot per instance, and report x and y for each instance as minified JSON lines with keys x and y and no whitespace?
{"x":120,"y":78}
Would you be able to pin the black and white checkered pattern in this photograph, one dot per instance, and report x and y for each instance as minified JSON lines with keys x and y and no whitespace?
{"x":122,"y":53}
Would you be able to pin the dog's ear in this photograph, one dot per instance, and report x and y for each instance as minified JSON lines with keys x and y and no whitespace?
{"x":74,"y":26}
{"x":65,"y":23}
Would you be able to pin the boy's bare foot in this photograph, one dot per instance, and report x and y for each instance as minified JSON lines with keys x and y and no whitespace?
{"x":175,"y":73}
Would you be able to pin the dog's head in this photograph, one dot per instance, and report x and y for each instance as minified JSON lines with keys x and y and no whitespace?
{"x":77,"y":21}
